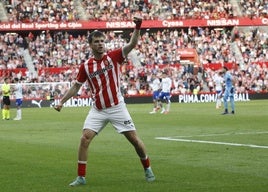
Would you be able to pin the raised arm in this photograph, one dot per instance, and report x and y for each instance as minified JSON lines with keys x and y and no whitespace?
{"x":134,"y":38}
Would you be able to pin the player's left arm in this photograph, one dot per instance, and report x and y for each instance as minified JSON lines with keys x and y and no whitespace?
{"x":134,"y":38}
{"x":13,"y":89}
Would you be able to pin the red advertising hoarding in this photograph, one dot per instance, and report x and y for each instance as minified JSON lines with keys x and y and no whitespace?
{"x":88,"y":25}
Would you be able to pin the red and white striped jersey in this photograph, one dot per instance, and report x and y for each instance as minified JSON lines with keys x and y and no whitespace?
{"x":103,"y":78}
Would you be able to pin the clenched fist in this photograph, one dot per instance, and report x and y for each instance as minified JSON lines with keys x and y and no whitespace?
{"x":137,"y":21}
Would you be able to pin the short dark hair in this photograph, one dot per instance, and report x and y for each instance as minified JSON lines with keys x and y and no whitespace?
{"x":225,"y":68}
{"x":95,"y":33}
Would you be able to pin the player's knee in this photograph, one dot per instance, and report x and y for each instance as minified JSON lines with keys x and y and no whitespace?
{"x":85,"y":140}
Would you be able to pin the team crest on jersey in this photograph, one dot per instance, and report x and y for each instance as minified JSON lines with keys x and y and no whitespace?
{"x":106,"y":62}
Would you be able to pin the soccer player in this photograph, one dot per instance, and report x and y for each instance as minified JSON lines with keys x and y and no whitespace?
{"x":164,"y":95}
{"x":218,"y":81}
{"x":102,"y":72}
{"x":6,"y":99}
{"x":155,"y":85}
{"x":19,"y":97}
{"x":229,"y":91}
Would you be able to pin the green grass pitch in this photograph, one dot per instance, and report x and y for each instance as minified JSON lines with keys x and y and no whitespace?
{"x":193,"y":148}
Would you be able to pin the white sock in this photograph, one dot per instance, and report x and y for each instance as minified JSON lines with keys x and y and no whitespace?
{"x":19,"y":113}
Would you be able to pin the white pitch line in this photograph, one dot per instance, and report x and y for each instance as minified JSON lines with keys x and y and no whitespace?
{"x":213,"y":142}
{"x":222,"y":134}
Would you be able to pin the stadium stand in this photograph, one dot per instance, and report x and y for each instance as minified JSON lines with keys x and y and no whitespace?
{"x":111,"y":10}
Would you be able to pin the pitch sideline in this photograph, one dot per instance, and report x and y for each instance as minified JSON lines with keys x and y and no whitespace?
{"x":222,"y":134}
{"x":214,"y":142}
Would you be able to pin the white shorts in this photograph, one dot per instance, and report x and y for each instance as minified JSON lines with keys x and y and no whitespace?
{"x":117,"y":115}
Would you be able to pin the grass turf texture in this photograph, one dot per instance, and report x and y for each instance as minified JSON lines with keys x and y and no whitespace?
{"x":39,"y":153}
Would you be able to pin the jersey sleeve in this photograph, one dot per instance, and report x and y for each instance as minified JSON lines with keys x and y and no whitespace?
{"x":118,"y":54}
{"x":82,"y":75}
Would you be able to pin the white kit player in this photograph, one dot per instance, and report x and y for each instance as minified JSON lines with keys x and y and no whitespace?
{"x":164,"y":95}
{"x":155,"y":85}
{"x":102,"y":72}
{"x":218,"y":82}
{"x":19,"y":97}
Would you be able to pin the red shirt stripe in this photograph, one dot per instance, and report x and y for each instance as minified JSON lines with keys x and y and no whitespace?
{"x":103,"y":77}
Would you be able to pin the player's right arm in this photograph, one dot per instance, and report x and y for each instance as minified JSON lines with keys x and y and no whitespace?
{"x":134,"y":38}
{"x":70,"y":93}
{"x":81,"y":77}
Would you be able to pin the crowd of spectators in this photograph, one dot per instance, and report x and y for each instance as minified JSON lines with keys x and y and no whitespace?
{"x":254,"y":9}
{"x":114,"y":10}
{"x":54,"y":50}
{"x":253,"y":45}
{"x":57,"y":49}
